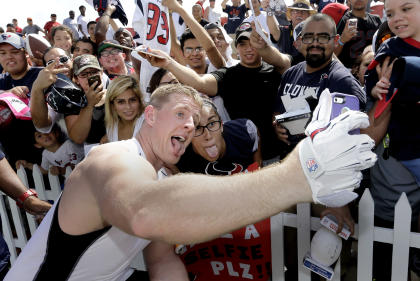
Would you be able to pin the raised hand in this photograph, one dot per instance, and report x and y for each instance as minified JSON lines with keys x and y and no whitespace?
{"x":384,"y":72}
{"x":331,"y":158}
{"x":48,"y":75}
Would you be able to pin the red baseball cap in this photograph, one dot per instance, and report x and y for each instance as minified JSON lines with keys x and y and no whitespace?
{"x":335,"y":10}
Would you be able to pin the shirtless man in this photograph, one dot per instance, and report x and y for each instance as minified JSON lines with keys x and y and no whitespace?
{"x":114,"y":196}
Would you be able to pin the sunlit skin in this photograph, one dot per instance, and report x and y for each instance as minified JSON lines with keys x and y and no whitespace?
{"x":83,"y":82}
{"x":196,"y":60}
{"x":113,"y":63}
{"x":197,"y":12}
{"x":13,"y":61}
{"x":248,"y":54}
{"x":63,"y":40}
{"x":404,"y":18}
{"x":91,"y":31}
{"x":125,"y":38}
{"x":127,"y":106}
{"x":219,"y":40}
{"x":236,"y":3}
{"x":367,"y":58}
{"x":55,"y":53}
{"x":82,"y":48}
{"x":315,"y":48}
{"x":47,"y":141}
{"x":174,"y":124}
{"x":10,"y":29}
{"x":358,"y":5}
{"x":298,"y":16}
{"x":211,"y":144}
{"x":256,"y":5}
{"x":168,"y":78}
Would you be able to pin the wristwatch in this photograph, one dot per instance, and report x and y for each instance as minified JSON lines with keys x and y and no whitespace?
{"x":24,"y":196}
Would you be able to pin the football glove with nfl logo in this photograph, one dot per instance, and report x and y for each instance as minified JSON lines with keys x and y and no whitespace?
{"x":331,"y":158}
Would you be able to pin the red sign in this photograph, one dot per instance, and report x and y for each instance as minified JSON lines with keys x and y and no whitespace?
{"x":244,"y":254}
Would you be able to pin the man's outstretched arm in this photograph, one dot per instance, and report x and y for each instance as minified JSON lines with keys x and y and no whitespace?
{"x":190,"y":208}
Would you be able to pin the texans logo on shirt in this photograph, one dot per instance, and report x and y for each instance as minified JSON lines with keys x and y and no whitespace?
{"x":216,"y":168}
{"x":323,"y":76}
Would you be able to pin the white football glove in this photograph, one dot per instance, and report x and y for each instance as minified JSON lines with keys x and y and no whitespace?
{"x":331,"y":158}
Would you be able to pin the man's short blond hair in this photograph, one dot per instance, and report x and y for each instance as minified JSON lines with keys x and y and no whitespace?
{"x":162,"y":94}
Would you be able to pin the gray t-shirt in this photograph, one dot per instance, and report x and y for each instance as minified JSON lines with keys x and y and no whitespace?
{"x":72,"y":23}
{"x":31,"y":29}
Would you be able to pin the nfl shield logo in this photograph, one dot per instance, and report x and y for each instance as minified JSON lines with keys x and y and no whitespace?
{"x":311,"y":165}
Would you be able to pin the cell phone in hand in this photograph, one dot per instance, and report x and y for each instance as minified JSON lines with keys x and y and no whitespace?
{"x":353,"y":23}
{"x":294,"y":122}
{"x":93,"y":79}
{"x":342,"y":103}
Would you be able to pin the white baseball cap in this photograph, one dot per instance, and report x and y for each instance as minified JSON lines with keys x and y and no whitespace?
{"x":12,"y":39}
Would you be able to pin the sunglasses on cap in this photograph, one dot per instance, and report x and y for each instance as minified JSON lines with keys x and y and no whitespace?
{"x":244,"y":26}
{"x":211,"y":25}
{"x":61,"y":59}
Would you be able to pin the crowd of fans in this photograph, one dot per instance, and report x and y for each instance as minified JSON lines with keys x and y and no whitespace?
{"x":246,"y":81}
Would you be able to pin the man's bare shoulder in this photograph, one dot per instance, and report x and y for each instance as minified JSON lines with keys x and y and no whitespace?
{"x":94,"y":184}
{"x":114,"y":158}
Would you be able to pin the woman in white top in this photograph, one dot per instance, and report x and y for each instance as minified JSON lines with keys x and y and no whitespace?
{"x":123,"y":109}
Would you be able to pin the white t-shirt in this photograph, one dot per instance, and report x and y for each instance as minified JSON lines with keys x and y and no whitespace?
{"x":69,"y":153}
{"x":214,"y":15}
{"x":83,"y":21}
{"x":72,"y":23}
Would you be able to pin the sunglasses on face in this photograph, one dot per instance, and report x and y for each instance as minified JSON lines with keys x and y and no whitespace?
{"x":61,"y":59}
{"x":111,"y":52}
{"x":88,"y":73}
{"x":188,"y":50}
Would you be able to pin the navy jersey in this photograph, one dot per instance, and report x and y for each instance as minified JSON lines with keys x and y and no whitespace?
{"x":403,"y":129}
{"x":236,"y":15}
{"x":7,"y":82}
{"x":297,"y":85}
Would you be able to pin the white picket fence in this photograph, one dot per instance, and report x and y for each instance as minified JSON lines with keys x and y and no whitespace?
{"x":15,"y":225}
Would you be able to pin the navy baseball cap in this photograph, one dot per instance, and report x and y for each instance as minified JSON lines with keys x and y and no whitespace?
{"x":243,"y":32}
